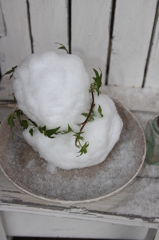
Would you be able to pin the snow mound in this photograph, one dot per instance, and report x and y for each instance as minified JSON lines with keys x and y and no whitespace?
{"x":53,"y":90}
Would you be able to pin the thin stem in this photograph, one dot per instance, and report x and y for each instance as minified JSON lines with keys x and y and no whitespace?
{"x":91,"y":109}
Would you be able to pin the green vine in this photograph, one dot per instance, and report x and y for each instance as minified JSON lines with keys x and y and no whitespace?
{"x":26,"y":122}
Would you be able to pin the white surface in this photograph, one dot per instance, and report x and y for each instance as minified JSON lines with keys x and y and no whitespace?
{"x":131,"y":37}
{"x":152,"y":79}
{"x":2,"y":232}
{"x":2,"y":24}
{"x":16,"y":44}
{"x":90,"y":32}
{"x":142,"y":99}
{"x":49,"y":226}
{"x":49,"y":24}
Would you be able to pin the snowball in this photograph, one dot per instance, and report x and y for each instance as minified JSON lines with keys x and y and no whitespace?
{"x":53,"y":90}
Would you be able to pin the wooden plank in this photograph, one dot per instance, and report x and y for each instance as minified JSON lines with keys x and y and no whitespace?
{"x":90,"y":32}
{"x":16,"y":44}
{"x":152,"y":78}
{"x":132,"y":33}
{"x":2,"y":24}
{"x":21,"y":224}
{"x":2,"y":232}
{"x":48,"y":24}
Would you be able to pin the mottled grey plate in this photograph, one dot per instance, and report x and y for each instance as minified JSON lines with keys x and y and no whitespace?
{"x":28,"y":171}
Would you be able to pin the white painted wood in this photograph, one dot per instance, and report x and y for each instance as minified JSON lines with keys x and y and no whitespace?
{"x":132,"y":33}
{"x":152,"y":78}
{"x":2,"y":24}
{"x":48,"y":24}
{"x":20,"y":224}
{"x":143,"y":99}
{"x":90,"y":32}
{"x":16,"y":44}
{"x":150,"y":234}
{"x":157,"y":235}
{"x":2,"y":232}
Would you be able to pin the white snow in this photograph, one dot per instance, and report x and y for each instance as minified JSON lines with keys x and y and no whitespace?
{"x":53,"y":90}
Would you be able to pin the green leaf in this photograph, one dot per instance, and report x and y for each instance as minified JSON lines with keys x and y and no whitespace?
{"x":19,"y":113}
{"x":78,"y":136}
{"x":91,"y":117}
{"x":24,"y":124}
{"x":15,"y":100}
{"x":31,"y":131}
{"x":10,"y":72}
{"x":62,"y":47}
{"x":69,"y":128}
{"x":97,"y":81}
{"x":100,"y":110}
{"x":11,"y":122}
{"x":84,"y":114}
{"x":84,"y":149}
{"x":50,"y":132}
{"x":42,"y":129}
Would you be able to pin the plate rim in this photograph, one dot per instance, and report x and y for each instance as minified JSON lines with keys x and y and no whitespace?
{"x":56,"y":200}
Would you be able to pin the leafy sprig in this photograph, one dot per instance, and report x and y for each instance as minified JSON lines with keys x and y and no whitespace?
{"x":62,"y":47}
{"x":10,"y":72}
{"x":97,"y":82}
{"x":100,"y":111}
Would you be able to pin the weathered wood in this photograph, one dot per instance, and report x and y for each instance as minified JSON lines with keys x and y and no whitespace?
{"x":152,"y":79}
{"x":16,"y":44}
{"x":90,"y":33}
{"x":53,"y":226}
{"x":132,"y":33}
{"x":48,"y":24}
{"x":143,"y":99}
{"x":157,"y":235}
{"x":2,"y":23}
{"x":2,"y":232}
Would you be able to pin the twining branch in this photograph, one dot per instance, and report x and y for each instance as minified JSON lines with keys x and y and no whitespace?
{"x":51,"y":133}
{"x":90,"y":112}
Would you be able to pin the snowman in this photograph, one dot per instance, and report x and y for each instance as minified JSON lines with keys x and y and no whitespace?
{"x":70,"y":124}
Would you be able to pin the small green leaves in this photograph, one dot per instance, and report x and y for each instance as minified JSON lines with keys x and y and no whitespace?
{"x":84,"y":149}
{"x":91,"y":117}
{"x":49,"y":133}
{"x":68,"y":130}
{"x":19,"y":113}
{"x":100,"y":110}
{"x":42,"y":129}
{"x":31,"y":131}
{"x":62,"y":47}
{"x":11,"y":122}
{"x":97,"y":82}
{"x":24,"y":124}
{"x":10,"y":72}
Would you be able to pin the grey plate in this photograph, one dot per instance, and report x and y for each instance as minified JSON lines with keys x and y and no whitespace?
{"x":25,"y":169}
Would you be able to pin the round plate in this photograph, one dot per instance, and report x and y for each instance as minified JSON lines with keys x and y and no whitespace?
{"x":25,"y":169}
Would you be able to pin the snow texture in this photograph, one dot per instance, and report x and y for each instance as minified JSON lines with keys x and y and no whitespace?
{"x":53,"y":91}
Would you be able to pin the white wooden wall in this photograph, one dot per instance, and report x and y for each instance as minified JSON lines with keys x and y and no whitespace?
{"x":119,"y":36}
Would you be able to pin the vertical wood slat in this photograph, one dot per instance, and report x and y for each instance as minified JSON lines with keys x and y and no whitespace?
{"x":2,"y":23}
{"x":15,"y":45}
{"x":49,"y":24}
{"x":152,"y":77}
{"x":132,"y":34}
{"x":90,"y":32}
